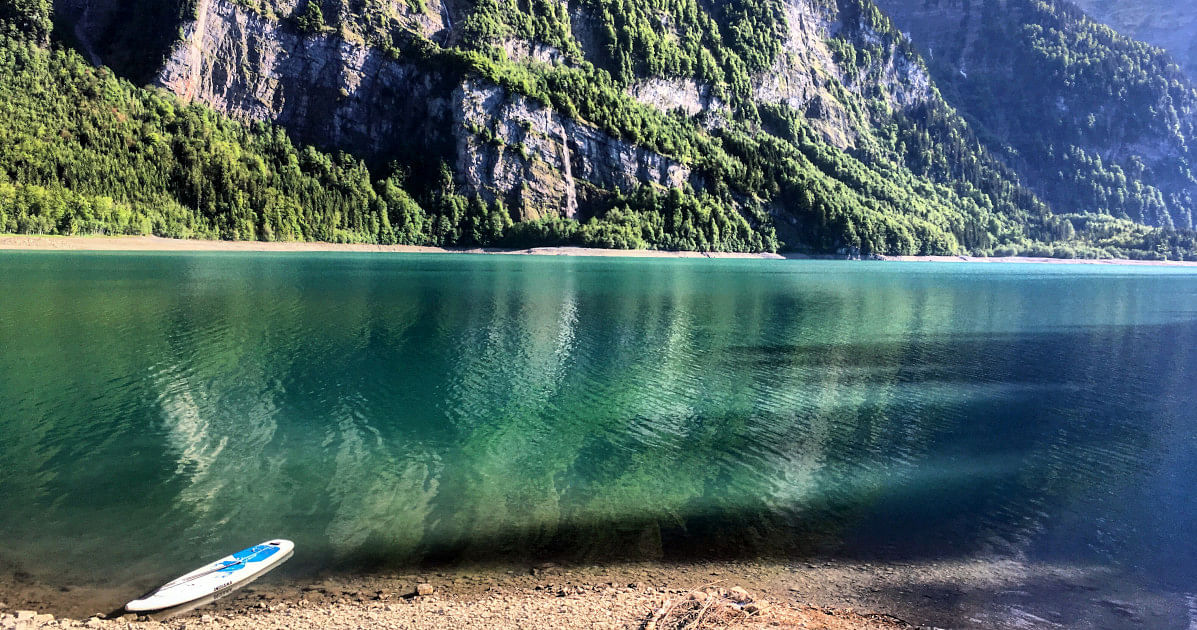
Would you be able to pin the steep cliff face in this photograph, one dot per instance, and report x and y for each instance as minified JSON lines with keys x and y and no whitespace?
{"x":507,"y":143}
{"x":330,"y":91}
{"x":1093,"y":121}
{"x":339,"y":94}
{"x":807,"y":76}
{"x":337,"y":90}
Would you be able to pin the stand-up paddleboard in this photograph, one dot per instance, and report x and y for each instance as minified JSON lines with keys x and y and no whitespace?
{"x":209,"y":583}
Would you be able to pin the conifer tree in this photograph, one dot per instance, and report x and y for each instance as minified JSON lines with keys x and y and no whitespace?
{"x":312,"y":18}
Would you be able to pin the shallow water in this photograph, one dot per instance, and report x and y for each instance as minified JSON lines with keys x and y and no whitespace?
{"x":160,"y":410}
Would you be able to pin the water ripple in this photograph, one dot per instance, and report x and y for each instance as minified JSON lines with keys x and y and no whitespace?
{"x":400,"y":409}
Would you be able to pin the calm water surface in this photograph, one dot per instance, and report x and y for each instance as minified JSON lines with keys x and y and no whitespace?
{"x":395,"y":410}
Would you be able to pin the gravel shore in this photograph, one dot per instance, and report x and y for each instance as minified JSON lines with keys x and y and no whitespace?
{"x":972,"y":593}
{"x":646,"y":595}
{"x":990,"y":593}
{"x":600,"y":608}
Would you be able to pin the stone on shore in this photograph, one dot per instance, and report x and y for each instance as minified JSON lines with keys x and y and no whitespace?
{"x":739,"y":595}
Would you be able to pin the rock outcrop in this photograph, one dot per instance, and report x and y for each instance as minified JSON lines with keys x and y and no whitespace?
{"x":805,"y":77}
{"x":324,"y":88}
{"x":507,"y":143}
{"x":335,"y":90}
{"x":335,"y":93}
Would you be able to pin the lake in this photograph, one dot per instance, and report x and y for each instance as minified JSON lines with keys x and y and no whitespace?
{"x":160,"y":410}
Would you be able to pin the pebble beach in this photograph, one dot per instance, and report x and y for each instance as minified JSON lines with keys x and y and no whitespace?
{"x":832,"y":595}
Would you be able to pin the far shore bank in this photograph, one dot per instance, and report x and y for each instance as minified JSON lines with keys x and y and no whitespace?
{"x":1049,"y":261}
{"x":158,"y":244}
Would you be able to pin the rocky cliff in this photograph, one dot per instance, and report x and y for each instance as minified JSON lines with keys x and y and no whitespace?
{"x":823,"y":124}
{"x":337,"y":89}
{"x":328,"y":89}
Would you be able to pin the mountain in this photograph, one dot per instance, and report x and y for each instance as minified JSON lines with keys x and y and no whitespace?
{"x":1165,"y":23}
{"x":748,"y":125}
{"x":1093,"y":122}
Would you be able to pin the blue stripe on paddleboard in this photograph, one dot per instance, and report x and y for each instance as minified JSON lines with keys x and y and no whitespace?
{"x":256,"y":553}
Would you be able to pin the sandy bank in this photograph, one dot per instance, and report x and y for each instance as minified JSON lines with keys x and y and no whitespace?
{"x":156,"y":244}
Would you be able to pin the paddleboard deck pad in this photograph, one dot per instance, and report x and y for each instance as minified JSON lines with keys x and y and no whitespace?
{"x":212,"y":582}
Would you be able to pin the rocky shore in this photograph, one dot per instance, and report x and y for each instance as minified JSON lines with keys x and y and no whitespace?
{"x":598,"y":607}
{"x":638,"y":595}
{"x":835,"y":595}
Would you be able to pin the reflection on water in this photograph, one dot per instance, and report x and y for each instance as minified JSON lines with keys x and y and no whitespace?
{"x":391,"y":410}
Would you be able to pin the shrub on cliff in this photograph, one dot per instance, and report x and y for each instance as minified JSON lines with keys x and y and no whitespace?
{"x":311,"y":20}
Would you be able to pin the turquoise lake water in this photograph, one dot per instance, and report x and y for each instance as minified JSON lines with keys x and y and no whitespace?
{"x":391,"y":410}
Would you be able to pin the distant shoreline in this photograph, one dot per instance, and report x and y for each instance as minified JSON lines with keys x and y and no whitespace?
{"x":1050,"y":261}
{"x":23,"y":242}
{"x":158,"y":244}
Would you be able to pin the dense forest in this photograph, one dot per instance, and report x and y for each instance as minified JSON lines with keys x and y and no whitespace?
{"x":85,"y":150}
{"x":1169,"y":25}
{"x":1099,"y":123}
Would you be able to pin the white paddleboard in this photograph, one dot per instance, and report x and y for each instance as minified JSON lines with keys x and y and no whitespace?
{"x":209,"y":583}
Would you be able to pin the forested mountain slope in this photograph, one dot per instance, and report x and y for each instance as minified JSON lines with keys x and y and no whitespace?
{"x":1169,"y":24}
{"x":1092,"y":121}
{"x":748,"y":125}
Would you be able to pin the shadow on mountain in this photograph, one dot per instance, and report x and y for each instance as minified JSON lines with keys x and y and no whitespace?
{"x":132,"y":37}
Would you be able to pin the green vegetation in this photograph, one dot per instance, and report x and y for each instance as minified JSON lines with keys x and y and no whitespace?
{"x":1098,"y":123}
{"x":311,"y":20}
{"x":649,"y":38}
{"x":88,"y":152}
{"x":1164,"y":23}
{"x":27,"y":18}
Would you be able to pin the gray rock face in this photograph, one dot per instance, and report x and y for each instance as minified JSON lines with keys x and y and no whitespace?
{"x":803,"y":78}
{"x":325,"y":89}
{"x":671,"y":94}
{"x":334,"y":90}
{"x":335,"y":93}
{"x":507,"y":143}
